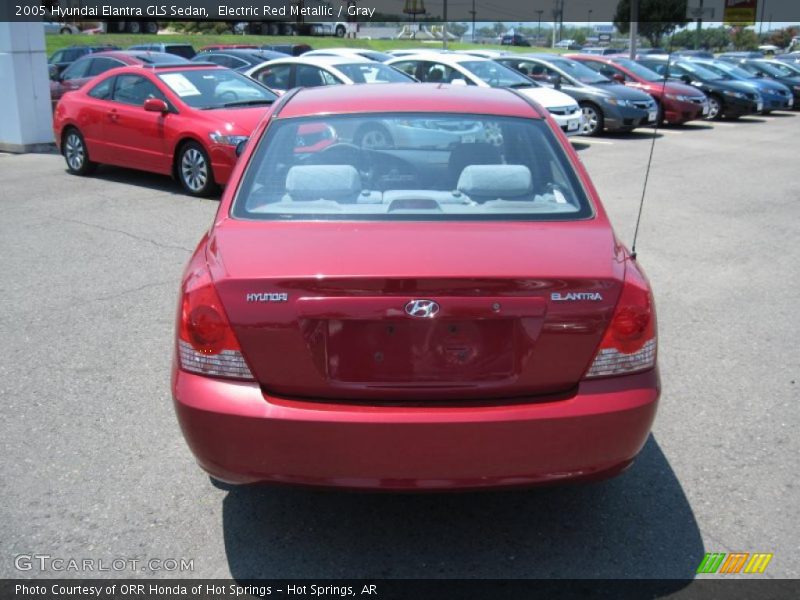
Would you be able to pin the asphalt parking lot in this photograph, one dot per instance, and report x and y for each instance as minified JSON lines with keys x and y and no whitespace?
{"x":95,"y":466}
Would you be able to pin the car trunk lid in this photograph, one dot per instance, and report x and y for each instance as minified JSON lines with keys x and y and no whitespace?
{"x":338,"y":310}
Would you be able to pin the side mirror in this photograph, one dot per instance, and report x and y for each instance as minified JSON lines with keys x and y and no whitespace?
{"x":155,"y":105}
{"x":618,"y":77}
{"x":686,"y":79}
{"x":240,"y":148}
{"x":458,"y":82}
{"x":556,"y":81}
{"x":759,"y":73}
{"x":53,"y":73}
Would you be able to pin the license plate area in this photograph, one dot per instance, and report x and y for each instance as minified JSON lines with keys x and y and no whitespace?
{"x":418,"y":352}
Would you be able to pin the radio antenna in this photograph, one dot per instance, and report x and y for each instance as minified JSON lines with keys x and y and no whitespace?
{"x":659,"y":115}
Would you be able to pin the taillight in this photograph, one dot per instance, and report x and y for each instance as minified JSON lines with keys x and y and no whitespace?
{"x":206,"y":342}
{"x":629,"y":343}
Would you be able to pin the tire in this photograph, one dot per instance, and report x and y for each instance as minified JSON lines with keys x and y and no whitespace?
{"x":193,"y":170}
{"x":151,"y":27}
{"x":593,"y":119}
{"x":76,"y":155}
{"x":273,"y":29}
{"x":340,"y":31}
{"x":133,"y":27}
{"x":714,"y":108}
{"x":65,"y":31}
{"x":374,"y":136}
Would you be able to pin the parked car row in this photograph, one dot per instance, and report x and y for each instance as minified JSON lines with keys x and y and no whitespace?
{"x":162,"y":112}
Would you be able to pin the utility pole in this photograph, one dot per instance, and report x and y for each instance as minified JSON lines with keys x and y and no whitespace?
{"x":698,"y":33}
{"x":634,"y":30}
{"x":538,"y":27}
{"x":444,"y":26}
{"x":472,"y":12}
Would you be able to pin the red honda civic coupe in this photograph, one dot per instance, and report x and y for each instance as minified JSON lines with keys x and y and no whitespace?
{"x":184,"y":120}
{"x":677,"y":103}
{"x":449,"y":312}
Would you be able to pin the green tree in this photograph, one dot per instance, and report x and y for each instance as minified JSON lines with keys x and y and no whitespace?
{"x":783,"y":37}
{"x":744,"y":39}
{"x":656,"y":18}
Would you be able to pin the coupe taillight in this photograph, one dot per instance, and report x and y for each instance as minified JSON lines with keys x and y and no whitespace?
{"x":206,"y":342}
{"x":629,"y":343}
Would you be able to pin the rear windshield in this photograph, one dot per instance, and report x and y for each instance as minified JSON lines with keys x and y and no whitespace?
{"x":373,"y":73}
{"x":184,"y":50}
{"x":410,"y":167}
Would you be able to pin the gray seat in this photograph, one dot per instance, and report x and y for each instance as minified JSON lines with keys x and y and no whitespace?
{"x":340,"y":183}
{"x":482,"y":183}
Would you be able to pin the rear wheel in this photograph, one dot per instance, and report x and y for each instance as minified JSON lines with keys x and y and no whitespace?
{"x":76,"y":154}
{"x":340,"y":31}
{"x":193,"y":168}
{"x":592,"y":119}
{"x":151,"y":27}
{"x":133,"y":27}
{"x":65,"y":31}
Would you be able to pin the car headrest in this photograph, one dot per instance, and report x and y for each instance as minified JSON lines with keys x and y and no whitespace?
{"x":495,"y":181}
{"x":331,"y":182}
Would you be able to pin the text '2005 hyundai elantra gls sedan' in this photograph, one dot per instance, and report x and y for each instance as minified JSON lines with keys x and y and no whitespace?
{"x":445,"y":314}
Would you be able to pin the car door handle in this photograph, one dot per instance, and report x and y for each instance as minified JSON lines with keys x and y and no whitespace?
{"x":113,"y":116}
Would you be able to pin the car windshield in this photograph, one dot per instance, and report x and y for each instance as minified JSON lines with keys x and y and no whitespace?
{"x":776,"y":70}
{"x":726,"y":69}
{"x":216,"y":88}
{"x":496,"y":75}
{"x":579,"y":72}
{"x":410,"y":166}
{"x":639,"y":70}
{"x":373,"y":73}
{"x":701,"y":72}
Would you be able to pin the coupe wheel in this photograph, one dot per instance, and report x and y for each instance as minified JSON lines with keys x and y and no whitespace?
{"x":76,"y":155}
{"x":592,"y":120}
{"x":194,"y":170}
{"x":714,"y":108}
{"x":340,"y":31}
{"x":66,"y":31}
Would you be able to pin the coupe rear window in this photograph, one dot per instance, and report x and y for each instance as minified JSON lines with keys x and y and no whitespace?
{"x":410,"y":167}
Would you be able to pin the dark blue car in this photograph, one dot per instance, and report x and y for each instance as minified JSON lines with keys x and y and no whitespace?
{"x":776,"y":95}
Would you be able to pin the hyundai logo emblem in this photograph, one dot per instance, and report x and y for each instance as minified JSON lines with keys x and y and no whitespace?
{"x":423,"y":309}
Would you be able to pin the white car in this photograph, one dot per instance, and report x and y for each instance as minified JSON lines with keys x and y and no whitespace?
{"x":283,"y":74}
{"x":463,"y":69}
{"x":351,"y":52}
{"x":492,"y":54}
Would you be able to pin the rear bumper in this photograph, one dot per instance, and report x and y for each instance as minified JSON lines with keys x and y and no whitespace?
{"x":240,"y":435}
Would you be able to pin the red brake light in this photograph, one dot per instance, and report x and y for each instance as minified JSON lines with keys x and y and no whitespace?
{"x":206,"y":342}
{"x":629,"y":343}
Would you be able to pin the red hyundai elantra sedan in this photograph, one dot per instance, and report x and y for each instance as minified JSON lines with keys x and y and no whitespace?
{"x":677,"y":102}
{"x":451,"y":311}
{"x":184,"y":120}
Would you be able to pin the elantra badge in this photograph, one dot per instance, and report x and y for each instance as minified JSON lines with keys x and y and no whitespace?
{"x":558,"y":297}
{"x":422,"y":309}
